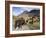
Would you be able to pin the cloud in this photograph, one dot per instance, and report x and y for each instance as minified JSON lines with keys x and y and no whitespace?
{"x":28,"y":9}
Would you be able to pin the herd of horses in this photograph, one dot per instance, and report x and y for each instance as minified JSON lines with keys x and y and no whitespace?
{"x":21,"y":21}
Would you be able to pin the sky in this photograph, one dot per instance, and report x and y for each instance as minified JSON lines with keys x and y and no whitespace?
{"x":18,"y":10}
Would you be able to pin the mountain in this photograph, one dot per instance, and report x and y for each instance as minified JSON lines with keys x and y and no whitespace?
{"x":31,"y":13}
{"x":35,"y":12}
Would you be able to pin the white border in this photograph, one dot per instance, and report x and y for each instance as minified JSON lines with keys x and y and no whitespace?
{"x":29,"y":31}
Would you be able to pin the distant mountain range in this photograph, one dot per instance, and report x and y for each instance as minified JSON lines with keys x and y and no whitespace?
{"x":31,"y":13}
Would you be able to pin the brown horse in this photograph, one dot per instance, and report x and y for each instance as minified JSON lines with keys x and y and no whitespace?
{"x":19,"y":22}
